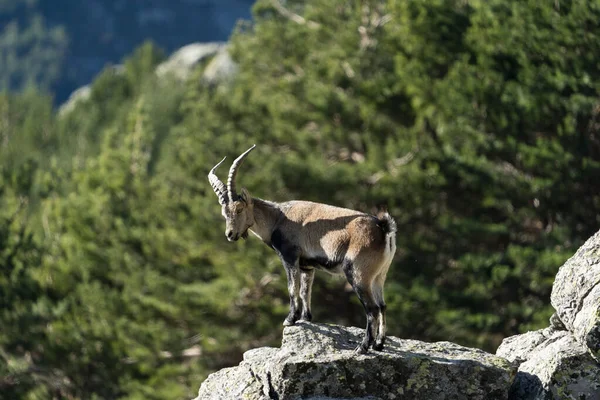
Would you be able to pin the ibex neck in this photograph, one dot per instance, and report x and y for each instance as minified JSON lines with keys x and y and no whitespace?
{"x":266,"y":216}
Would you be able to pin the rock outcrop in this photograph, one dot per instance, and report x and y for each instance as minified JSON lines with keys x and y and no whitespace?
{"x":560,"y":362}
{"x":79,"y":95}
{"x":219,"y":68}
{"x":182,"y":62}
{"x":576,"y":295}
{"x":317,"y":361}
{"x":553,"y":365}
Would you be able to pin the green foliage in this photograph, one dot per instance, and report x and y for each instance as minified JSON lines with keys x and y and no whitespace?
{"x":415,"y":106}
{"x":475,"y":123}
{"x":112,"y":94}
{"x":22,"y":302}
{"x":26,"y":128}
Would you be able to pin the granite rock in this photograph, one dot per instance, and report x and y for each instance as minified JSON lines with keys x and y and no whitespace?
{"x":317,"y":361}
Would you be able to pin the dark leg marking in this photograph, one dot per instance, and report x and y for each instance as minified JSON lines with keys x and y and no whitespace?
{"x":293,"y":277}
{"x":371,"y":308}
{"x":306,"y":281}
{"x":289,"y":257}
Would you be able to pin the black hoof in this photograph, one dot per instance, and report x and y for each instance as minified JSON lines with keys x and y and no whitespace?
{"x":361,"y":349}
{"x":291,"y":318}
{"x":378,"y":346}
{"x":306,"y":318}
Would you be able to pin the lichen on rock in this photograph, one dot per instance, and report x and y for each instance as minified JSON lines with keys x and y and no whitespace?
{"x":553,"y":365}
{"x":318,"y":361}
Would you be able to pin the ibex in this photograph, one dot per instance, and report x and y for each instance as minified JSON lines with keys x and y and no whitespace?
{"x":308,"y":236}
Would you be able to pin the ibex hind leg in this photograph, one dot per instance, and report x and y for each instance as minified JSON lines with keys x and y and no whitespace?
{"x":381,"y":322}
{"x":363,"y":291}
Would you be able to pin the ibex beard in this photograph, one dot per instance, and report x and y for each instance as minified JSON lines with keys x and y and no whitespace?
{"x":308,"y":236}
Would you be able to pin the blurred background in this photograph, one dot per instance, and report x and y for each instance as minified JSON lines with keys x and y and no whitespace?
{"x":477,"y":123}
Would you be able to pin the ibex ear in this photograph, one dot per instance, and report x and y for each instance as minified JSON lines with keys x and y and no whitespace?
{"x":245,"y":196}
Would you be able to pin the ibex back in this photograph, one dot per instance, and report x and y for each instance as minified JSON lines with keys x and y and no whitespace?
{"x":309,"y":236}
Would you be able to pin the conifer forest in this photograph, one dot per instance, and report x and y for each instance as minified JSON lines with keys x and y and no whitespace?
{"x":476,"y":123}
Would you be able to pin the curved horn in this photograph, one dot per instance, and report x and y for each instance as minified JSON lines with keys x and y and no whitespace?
{"x":217,"y":185}
{"x":233,"y":172}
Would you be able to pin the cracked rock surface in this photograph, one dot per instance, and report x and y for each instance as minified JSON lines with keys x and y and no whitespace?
{"x":576,"y":295}
{"x":317,"y":361}
{"x":553,"y":365}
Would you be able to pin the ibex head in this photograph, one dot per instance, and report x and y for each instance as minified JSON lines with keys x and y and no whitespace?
{"x":236,"y":208}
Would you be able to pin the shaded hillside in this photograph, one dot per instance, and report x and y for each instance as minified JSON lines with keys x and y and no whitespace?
{"x":61,"y":44}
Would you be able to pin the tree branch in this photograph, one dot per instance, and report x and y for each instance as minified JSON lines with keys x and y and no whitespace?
{"x":293,"y":16}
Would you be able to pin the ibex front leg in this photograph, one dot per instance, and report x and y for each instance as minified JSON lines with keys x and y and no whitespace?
{"x":306,"y":280}
{"x":289,"y":255}
{"x":292,"y":271}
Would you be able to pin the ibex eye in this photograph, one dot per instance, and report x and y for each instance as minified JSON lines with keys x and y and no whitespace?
{"x":239,"y":210}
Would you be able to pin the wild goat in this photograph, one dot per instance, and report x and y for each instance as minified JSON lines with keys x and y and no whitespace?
{"x":309,"y":235}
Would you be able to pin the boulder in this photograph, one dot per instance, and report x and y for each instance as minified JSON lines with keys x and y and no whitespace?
{"x":552,"y":365}
{"x":576,"y":295}
{"x":221,"y":68}
{"x":81,"y":94}
{"x":181,"y":63}
{"x":317,"y":361}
